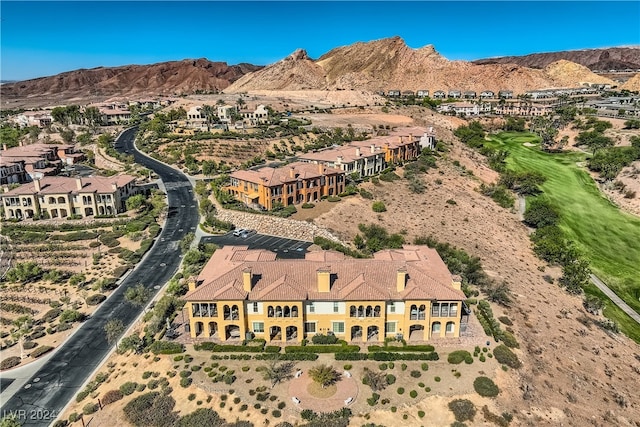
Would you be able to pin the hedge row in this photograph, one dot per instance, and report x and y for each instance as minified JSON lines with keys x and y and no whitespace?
{"x":289,"y":356}
{"x":323,"y":349}
{"x":387,"y":356}
{"x":228,"y":348}
{"x":164,"y":347}
{"x":406,"y":348}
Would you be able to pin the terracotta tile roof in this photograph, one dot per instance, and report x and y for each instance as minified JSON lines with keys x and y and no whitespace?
{"x":278,"y":176}
{"x":351,"y":279}
{"x":64,"y":185}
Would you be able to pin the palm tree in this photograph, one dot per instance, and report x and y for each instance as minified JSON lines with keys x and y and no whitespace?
{"x":240,"y":103}
{"x":324,"y":375}
{"x":277,"y":372}
{"x":23,"y":327}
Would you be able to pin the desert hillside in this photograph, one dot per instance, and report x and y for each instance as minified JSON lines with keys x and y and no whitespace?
{"x":167,"y":78}
{"x":391,"y":64}
{"x":633,"y":83}
{"x":615,"y":58}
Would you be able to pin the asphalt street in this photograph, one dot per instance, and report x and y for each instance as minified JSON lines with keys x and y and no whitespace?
{"x":46,"y":393}
{"x":285,"y":248}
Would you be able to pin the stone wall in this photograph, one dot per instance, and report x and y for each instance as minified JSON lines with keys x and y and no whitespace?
{"x":275,"y":226}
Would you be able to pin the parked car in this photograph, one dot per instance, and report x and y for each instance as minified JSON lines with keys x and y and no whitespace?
{"x":239,"y":232}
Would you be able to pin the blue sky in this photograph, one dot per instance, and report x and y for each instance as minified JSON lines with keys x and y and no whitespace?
{"x":46,"y":38}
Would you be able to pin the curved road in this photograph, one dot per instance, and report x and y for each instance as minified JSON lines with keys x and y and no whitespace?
{"x":49,"y":390}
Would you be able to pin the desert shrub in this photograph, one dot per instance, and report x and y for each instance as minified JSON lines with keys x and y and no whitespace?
{"x":307,"y":205}
{"x":51,"y":315}
{"x":457,"y":357}
{"x":151,"y":409}
{"x":201,"y":417}
{"x":90,"y":408}
{"x":485,"y":387}
{"x":28,"y":345}
{"x":437,"y":379}
{"x":505,"y":320}
{"x":166,"y":347}
{"x":276,"y":413}
{"x":128,"y":388}
{"x":111,"y":396}
{"x":463,"y":409}
{"x":510,"y":340}
{"x":95,"y":299}
{"x":505,"y":356}
{"x":43,"y":349}
{"x":400,"y":390}
{"x":391,"y":379}
{"x":185,"y":382}
{"x":378,"y":206}
{"x":424,"y":366}
{"x":9,"y":362}
{"x":413,"y":394}
{"x":415,"y":374}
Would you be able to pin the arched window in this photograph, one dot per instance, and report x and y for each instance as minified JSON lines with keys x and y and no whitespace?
{"x":294,"y":311}
{"x":235,"y":314}
{"x":353,"y":311}
{"x":226,"y":312}
{"x":286,"y":311}
{"x":376,"y":311}
{"x":278,"y":311}
{"x":369,"y":311}
{"x":270,"y":311}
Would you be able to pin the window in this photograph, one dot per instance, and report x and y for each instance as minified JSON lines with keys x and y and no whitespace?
{"x":335,"y":307}
{"x":258,"y":327}
{"x":309,"y":327}
{"x":255,"y":307}
{"x":337,"y":327}
{"x":450,"y":328}
{"x":312,"y":309}
{"x":390,"y":327}
{"x":392,"y":307}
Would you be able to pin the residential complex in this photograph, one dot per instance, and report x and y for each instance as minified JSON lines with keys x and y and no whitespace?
{"x":37,"y":160}
{"x":244,"y":293}
{"x":61,"y":197}
{"x":268,"y":187}
{"x":372,"y":156}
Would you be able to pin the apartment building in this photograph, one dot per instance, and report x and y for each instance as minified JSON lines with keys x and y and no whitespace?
{"x":41,"y":159}
{"x":294,"y":183}
{"x":61,"y":197}
{"x":244,"y":293}
{"x":372,"y":156}
{"x":13,"y":172}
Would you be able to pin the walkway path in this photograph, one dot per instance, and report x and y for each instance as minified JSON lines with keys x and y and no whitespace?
{"x":615,"y":298}
{"x":347,"y":388}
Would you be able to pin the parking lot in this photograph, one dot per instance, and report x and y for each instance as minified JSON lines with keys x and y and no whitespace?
{"x":285,"y":248}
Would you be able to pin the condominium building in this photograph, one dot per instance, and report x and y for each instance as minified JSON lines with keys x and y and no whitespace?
{"x":294,"y":183}
{"x":244,"y":293}
{"x":61,"y":197}
{"x":40,"y":160}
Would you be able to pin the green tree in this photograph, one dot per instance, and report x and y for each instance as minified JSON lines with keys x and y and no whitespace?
{"x":540,"y":213}
{"x":92,"y":117}
{"x":9,"y":421}
{"x":24,"y":272}
{"x":575,"y":275}
{"x":632,"y":124}
{"x":113,"y":329}
{"x":185,"y":243}
{"x":324,"y":375}
{"x":136,"y":202}
{"x":137,"y":295}
{"x":68,"y":135}
{"x":208,"y":167}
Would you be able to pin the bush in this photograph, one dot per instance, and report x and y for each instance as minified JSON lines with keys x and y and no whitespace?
{"x":510,"y":340}
{"x":95,"y":299}
{"x":505,"y":356}
{"x":485,"y":387}
{"x":128,"y":388}
{"x":9,"y":362}
{"x":413,"y":394}
{"x":391,"y":379}
{"x":378,"y":207}
{"x":416,"y":374}
{"x":111,"y":396}
{"x":90,"y":408}
{"x":424,"y":367}
{"x":400,"y":390}
{"x":151,"y":409}
{"x":276,"y":413}
{"x":185,"y":382}
{"x":307,"y":205}
{"x":43,"y":349}
{"x":463,"y":409}
{"x":457,"y":357}
{"x":28,"y":345}
{"x":165,"y":347}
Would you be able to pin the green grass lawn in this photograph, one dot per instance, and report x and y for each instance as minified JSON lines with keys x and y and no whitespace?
{"x":609,"y":237}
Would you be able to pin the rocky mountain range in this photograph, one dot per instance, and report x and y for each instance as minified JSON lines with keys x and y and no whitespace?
{"x":166,"y":78}
{"x":390,"y":64}
{"x":378,"y":65}
{"x":615,"y":58}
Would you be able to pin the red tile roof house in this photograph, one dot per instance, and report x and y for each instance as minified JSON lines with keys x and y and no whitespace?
{"x":243,"y":293}
{"x":61,"y":197}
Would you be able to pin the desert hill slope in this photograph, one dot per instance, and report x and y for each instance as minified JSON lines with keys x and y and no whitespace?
{"x":390,"y":64}
{"x":615,"y":58}
{"x":175,"y":77}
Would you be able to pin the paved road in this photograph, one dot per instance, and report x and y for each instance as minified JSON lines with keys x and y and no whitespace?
{"x":285,"y":248}
{"x":57,"y":382}
{"x":615,"y":298}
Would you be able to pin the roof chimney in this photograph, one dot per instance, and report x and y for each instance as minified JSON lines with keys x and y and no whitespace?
{"x":36,"y":185}
{"x":4,"y":147}
{"x":401,"y":279}
{"x":114,"y":186}
{"x":357,"y":151}
{"x":79,"y":183}
{"x":191,"y":283}
{"x":400,"y":139}
{"x":339,"y":160}
{"x":373,"y":148}
{"x":292,"y":172}
{"x":324,"y":279}
{"x":246,"y":279}
{"x":456,"y":282}
{"x":320,"y":168}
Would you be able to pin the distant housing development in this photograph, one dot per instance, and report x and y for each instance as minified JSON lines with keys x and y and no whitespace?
{"x":400,"y":293}
{"x":61,"y":197}
{"x":36,"y":161}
